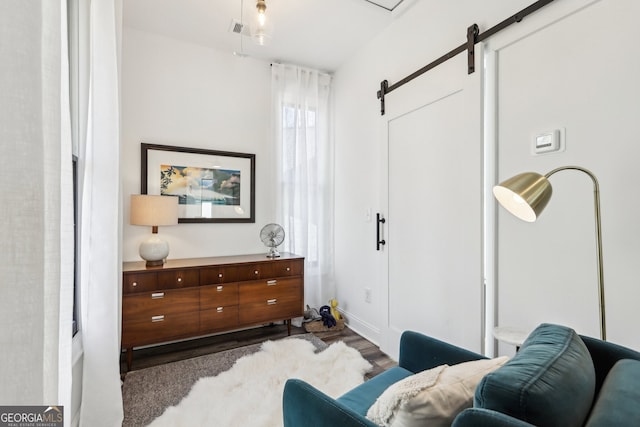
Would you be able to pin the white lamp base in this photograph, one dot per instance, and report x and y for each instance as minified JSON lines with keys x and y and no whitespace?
{"x":154,"y":250}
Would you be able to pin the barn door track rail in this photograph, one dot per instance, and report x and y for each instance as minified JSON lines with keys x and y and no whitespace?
{"x":473,"y":36}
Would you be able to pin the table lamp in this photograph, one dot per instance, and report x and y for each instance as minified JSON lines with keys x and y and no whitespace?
{"x":526,"y":195}
{"x":154,"y":211}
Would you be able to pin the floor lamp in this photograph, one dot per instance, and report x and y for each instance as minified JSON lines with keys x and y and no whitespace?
{"x":526,"y":195}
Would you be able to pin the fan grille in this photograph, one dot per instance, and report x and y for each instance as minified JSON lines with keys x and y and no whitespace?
{"x":272,"y":235}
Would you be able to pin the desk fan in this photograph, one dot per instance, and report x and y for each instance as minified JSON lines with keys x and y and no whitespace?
{"x":272,"y":235}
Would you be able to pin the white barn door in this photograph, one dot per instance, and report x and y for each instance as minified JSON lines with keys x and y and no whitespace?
{"x":433,"y":189}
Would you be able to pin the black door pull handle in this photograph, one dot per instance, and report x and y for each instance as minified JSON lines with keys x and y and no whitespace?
{"x":379,"y":221}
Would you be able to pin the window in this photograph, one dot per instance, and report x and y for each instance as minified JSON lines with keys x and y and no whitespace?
{"x":77,"y":11}
{"x":76,"y":245}
{"x":298,"y":146}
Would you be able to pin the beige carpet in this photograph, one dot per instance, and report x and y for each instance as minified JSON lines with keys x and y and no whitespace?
{"x":148,"y":392}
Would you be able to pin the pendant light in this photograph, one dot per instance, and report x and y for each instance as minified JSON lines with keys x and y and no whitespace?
{"x":261,"y":33}
{"x":261,"y":5}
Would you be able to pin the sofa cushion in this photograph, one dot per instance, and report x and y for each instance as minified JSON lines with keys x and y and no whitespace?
{"x":362,"y":397}
{"x":551,"y":380}
{"x":432,"y":397}
{"x":617,"y":403}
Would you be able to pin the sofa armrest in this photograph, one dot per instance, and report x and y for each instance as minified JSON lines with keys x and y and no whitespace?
{"x":305,"y":406}
{"x":419,"y":352}
{"x":479,"y":417}
{"x":604,"y":355}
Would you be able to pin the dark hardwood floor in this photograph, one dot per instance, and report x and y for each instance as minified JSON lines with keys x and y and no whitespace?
{"x":157,"y":355}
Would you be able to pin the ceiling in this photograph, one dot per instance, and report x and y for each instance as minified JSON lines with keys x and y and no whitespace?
{"x":312,"y":33}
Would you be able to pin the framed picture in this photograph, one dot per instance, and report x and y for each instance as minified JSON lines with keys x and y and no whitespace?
{"x":211,"y":186}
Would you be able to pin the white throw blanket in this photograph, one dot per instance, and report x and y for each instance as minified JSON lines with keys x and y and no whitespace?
{"x":250,"y":393}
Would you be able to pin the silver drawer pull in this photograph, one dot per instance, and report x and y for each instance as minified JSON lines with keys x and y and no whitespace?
{"x":272,"y":301}
{"x":179,"y":279}
{"x":157,"y":318}
{"x":219,"y":288}
{"x":220,"y":275}
{"x":157,"y":295}
{"x":134,"y":284}
{"x":288,"y":268}
{"x":220,"y":309}
{"x":256,"y":272}
{"x":272,"y":282}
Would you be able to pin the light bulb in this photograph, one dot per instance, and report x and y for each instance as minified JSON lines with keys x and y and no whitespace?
{"x":261,"y":5}
{"x":518,"y":199}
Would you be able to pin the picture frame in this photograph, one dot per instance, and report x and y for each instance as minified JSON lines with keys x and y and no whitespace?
{"x":212,"y":186}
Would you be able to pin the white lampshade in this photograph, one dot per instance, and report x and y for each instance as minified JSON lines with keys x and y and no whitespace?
{"x":154,"y":211}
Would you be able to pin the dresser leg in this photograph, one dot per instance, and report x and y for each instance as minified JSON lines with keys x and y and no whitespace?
{"x":129,"y":358}
{"x":289,"y":327}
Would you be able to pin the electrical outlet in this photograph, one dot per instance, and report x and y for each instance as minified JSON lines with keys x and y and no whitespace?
{"x":367,"y":294}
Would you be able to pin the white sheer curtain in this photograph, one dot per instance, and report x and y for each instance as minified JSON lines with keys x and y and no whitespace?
{"x":100,"y":213}
{"x":36,"y":267}
{"x":304,"y":169}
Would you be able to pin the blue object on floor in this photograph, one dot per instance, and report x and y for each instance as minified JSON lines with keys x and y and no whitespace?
{"x":327,"y":318}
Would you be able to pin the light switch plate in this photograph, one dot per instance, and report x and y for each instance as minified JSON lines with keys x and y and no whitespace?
{"x":548,"y":142}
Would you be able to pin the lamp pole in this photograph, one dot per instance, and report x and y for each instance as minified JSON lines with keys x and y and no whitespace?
{"x":596,"y":207}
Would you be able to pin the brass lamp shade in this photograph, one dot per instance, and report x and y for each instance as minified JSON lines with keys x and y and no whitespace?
{"x":524,"y":195}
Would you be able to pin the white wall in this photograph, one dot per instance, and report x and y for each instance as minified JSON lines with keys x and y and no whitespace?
{"x":550,"y":78}
{"x":587,"y":88}
{"x":182,"y":94}
{"x":422,"y":34}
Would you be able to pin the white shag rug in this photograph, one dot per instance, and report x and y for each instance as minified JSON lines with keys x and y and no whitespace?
{"x":250,"y":393}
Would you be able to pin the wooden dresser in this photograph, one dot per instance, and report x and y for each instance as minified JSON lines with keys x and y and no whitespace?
{"x":193,"y":297}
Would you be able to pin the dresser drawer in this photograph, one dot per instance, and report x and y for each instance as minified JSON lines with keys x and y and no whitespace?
{"x":218,"y":295}
{"x":270,"y":310}
{"x":159,"y":328}
{"x":178,"y":279}
{"x":255,"y":271}
{"x":219,"y":318}
{"x":293,"y":267}
{"x":139,"y":282}
{"x":259,"y":291}
{"x":275,"y":299}
{"x":145,"y":305}
{"x":218,"y":275}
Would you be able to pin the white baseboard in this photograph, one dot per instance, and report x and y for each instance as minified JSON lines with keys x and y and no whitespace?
{"x":362,"y":328}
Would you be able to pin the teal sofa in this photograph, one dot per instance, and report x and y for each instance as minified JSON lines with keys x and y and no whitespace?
{"x":557,"y":378}
{"x":305,"y":406}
